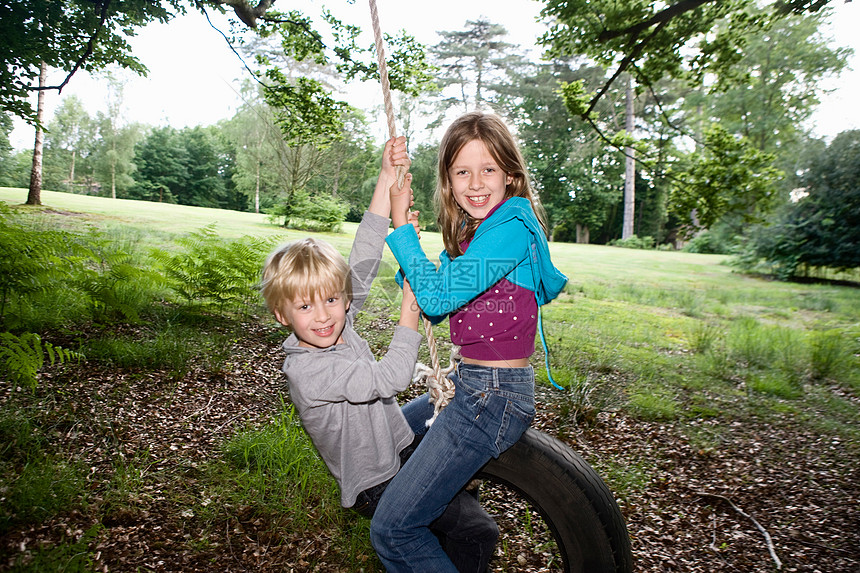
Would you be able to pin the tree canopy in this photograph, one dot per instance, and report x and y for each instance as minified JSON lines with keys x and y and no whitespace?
{"x":644,"y":38}
{"x":821,"y":228}
{"x":73,"y":35}
{"x":728,"y":177}
{"x":473,"y":60}
{"x":68,"y":35}
{"x":717,"y":153}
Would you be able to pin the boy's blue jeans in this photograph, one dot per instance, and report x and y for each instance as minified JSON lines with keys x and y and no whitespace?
{"x":491,"y":409}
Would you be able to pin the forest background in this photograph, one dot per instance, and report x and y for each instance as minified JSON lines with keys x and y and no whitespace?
{"x":716,"y":170}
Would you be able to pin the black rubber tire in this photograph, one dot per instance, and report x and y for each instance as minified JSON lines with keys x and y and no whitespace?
{"x":573,"y":501}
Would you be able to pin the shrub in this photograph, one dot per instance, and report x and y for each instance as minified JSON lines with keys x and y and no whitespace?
{"x":316,"y":213}
{"x":53,"y":276}
{"x":633,"y":242}
{"x":31,"y":259}
{"x":564,"y":232}
{"x":115,"y":282}
{"x":711,"y":242}
{"x":21,"y":357}
{"x":821,"y":229}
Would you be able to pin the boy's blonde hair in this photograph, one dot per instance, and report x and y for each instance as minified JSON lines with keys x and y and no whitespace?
{"x":303,"y":269}
{"x":455,"y":224}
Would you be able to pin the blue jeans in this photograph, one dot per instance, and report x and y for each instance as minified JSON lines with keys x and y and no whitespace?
{"x":491,"y":409}
{"x":466,"y":532}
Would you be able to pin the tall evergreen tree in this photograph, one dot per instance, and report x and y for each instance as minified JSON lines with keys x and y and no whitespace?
{"x":208,"y":167}
{"x":473,"y":63}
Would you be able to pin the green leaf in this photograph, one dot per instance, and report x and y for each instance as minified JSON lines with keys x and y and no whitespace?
{"x":22,"y":357}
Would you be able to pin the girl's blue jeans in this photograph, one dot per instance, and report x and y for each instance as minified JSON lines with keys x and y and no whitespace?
{"x":491,"y":409}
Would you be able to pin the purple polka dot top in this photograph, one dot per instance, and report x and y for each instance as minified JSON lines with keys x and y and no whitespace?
{"x":500,"y":324}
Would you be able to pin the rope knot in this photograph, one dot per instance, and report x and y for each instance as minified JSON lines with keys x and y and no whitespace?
{"x":440,"y":387}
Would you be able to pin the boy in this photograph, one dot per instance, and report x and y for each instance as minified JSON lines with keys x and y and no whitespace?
{"x":345,"y":397}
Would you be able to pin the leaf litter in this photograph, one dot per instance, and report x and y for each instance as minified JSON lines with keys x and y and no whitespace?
{"x":801,"y":487}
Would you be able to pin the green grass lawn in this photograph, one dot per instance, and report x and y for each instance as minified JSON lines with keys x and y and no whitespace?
{"x":644,"y":322}
{"x":629,"y":311}
{"x":584,"y":264}
{"x":663,"y":337}
{"x":158,"y":216}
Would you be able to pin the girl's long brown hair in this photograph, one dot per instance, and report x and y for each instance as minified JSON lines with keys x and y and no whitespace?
{"x":457,"y":225}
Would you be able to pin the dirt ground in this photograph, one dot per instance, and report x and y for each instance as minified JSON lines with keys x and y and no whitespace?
{"x":754,"y":496}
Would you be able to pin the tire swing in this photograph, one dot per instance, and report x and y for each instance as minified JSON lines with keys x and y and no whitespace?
{"x":581,"y":529}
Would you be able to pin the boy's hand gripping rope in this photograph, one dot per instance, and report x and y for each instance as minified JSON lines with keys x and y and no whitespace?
{"x":440,"y":387}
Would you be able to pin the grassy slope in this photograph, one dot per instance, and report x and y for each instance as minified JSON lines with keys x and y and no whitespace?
{"x":582,"y":263}
{"x":666,"y":336}
{"x":643,"y":315}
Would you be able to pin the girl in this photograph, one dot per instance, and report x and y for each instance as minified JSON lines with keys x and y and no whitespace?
{"x":495,"y":273}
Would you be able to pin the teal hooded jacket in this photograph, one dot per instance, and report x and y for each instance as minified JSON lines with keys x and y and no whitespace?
{"x":510,"y":243}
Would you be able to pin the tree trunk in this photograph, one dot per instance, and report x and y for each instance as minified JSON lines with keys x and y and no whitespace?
{"x":629,"y":169}
{"x":257,"y":188}
{"x":34,"y":197}
{"x":335,"y":180}
{"x":72,"y":173}
{"x":582,"y":234}
{"x":113,"y":167}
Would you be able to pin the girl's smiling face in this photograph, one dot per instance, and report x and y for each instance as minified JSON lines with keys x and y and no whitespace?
{"x":477,"y":182}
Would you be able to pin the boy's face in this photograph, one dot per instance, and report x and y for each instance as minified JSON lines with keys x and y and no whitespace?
{"x":317,"y":322}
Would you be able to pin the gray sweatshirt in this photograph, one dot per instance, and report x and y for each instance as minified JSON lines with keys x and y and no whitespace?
{"x":344,"y":396}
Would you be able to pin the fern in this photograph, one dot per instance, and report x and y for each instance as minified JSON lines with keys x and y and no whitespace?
{"x":215,"y":271}
{"x":31,"y":259}
{"x":115,"y":283}
{"x":22,"y":357}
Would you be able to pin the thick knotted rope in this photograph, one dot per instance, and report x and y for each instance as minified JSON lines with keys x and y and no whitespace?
{"x":440,"y":387}
{"x":383,"y":78}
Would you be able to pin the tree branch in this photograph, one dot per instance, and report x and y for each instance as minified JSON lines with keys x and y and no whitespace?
{"x":625,"y":63}
{"x":801,"y":6}
{"x":249,"y":16}
{"x":764,"y":532}
{"x":226,"y":39}
{"x":661,"y":17}
{"x":87,"y":53}
{"x":663,"y":114}
{"x":245,"y":11}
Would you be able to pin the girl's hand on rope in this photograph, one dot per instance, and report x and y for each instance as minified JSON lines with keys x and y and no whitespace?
{"x":401,"y":201}
{"x":413,"y":220}
{"x":395,"y":158}
{"x":394,"y":161}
